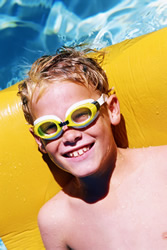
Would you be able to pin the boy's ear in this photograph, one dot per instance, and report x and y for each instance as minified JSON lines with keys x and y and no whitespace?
{"x":114,"y":110}
{"x":39,"y":141}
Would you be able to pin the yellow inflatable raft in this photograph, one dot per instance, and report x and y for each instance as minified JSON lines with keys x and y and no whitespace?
{"x":137,"y":70}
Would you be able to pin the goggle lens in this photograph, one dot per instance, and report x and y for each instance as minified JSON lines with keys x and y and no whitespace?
{"x":81,"y":115}
{"x":47,"y":128}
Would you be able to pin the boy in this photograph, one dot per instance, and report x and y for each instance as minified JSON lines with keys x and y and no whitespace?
{"x":117,"y":197}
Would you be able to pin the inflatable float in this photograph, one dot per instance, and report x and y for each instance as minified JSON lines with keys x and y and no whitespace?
{"x":137,"y":70}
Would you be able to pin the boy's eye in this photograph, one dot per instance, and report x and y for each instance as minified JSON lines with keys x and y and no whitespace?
{"x":48,"y":128}
{"x":81,"y":115}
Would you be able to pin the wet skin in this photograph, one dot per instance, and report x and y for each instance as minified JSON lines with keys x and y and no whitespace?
{"x":117,"y":199}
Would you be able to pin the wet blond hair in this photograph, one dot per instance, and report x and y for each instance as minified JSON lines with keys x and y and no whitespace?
{"x":67,"y":64}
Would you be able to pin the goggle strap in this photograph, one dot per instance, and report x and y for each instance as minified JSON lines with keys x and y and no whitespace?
{"x":62,"y":124}
{"x":103,"y":98}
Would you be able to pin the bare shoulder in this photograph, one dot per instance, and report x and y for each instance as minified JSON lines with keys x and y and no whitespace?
{"x":158,"y":152}
{"x":52,"y":221}
{"x":150,"y":156}
{"x":153,"y":151}
{"x":57,"y":203}
{"x":155,"y":157}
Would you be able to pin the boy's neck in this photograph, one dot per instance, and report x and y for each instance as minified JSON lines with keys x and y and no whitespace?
{"x":95,"y":187}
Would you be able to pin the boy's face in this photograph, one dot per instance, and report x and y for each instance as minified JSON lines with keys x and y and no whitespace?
{"x":81,"y":152}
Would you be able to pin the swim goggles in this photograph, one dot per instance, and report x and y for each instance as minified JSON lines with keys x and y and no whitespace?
{"x":79,"y":115}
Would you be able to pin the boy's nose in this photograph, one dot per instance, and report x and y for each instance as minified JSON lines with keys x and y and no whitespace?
{"x":71,"y":135}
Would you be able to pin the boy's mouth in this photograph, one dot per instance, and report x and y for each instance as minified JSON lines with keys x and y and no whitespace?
{"x":78,"y":152}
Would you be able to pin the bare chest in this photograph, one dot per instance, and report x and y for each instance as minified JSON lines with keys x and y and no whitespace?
{"x":133,"y":217}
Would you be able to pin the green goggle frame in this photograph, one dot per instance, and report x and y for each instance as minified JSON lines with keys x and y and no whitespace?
{"x":79,"y":115}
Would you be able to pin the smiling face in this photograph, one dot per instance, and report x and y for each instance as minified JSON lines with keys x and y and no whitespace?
{"x":82,"y":152}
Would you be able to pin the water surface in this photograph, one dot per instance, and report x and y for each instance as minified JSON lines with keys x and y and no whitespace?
{"x":31,"y":28}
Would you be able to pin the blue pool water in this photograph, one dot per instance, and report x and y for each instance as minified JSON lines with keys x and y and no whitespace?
{"x":2,"y":246}
{"x":31,"y":28}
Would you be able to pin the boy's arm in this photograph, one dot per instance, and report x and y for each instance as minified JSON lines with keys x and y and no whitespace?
{"x":51,"y":224}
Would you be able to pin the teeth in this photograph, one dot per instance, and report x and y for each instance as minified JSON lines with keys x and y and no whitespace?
{"x":78,"y":152}
{"x":75,"y":154}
